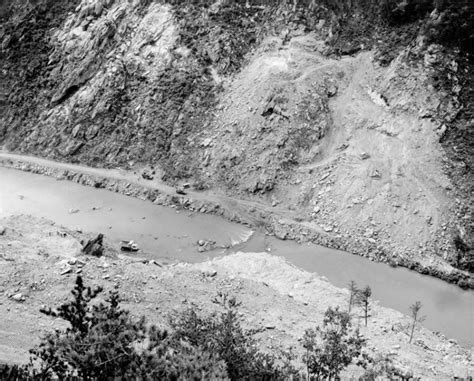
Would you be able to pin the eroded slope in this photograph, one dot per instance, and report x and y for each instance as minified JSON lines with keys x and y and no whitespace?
{"x":251,"y":100}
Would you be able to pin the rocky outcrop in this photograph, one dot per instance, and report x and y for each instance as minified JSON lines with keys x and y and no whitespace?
{"x":94,"y":246}
{"x":254,"y":99}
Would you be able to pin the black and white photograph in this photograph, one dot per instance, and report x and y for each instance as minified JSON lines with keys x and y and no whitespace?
{"x":263,"y":190}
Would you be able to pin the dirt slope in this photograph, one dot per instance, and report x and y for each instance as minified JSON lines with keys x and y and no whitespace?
{"x":278,"y":300}
{"x":250,"y":101}
{"x":345,"y":143}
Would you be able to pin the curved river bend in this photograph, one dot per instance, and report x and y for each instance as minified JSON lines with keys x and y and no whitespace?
{"x":166,"y":233}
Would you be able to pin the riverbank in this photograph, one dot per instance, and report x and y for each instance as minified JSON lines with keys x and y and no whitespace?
{"x":250,"y":214}
{"x":171,"y":234}
{"x":283,"y":225}
{"x":279,"y":301}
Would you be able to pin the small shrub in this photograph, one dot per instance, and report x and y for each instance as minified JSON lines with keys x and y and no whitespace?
{"x":222,"y":335}
{"x":416,"y":317}
{"x":332,"y":347}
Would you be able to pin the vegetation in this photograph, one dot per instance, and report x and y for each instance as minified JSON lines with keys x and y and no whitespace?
{"x":103,"y":342}
{"x":222,"y":336}
{"x":381,"y":367}
{"x":353,"y":292}
{"x":332,"y":347}
{"x":416,"y":317}
{"x":363,"y":299}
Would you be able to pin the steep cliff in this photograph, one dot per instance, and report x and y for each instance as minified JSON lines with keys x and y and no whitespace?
{"x":355,"y":117}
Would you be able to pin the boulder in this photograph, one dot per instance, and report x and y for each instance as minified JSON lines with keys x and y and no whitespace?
{"x":95,"y":246}
{"x":18,"y":297}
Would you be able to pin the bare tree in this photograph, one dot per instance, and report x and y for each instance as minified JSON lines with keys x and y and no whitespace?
{"x":353,"y":291}
{"x":416,"y":317}
{"x":363,"y":300}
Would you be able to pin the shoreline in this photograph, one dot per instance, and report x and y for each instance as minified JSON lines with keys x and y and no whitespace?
{"x":246,"y":213}
{"x":278,"y":300}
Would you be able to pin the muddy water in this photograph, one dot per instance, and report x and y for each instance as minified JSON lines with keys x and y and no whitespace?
{"x":167,"y":233}
{"x":448,"y":309}
{"x":159,"y":231}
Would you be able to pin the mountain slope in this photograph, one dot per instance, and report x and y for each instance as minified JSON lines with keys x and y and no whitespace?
{"x":265,"y":102}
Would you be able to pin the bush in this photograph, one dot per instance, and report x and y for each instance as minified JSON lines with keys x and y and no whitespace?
{"x":331,"y":348}
{"x":103,"y":342}
{"x":222,"y":336}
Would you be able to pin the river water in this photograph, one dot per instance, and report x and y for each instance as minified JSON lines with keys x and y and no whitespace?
{"x":171,"y":235}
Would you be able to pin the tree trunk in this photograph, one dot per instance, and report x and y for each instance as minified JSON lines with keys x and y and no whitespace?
{"x":412,"y":330}
{"x":366,"y":311}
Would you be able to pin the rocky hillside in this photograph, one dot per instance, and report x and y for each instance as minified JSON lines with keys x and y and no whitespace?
{"x":354,"y":117}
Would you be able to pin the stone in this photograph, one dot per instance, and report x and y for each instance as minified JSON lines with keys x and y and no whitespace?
{"x":95,"y":246}
{"x":153,"y":262}
{"x":331,"y":90}
{"x":375,"y":174}
{"x":73,"y":211}
{"x":280,"y":232}
{"x":3,"y":230}
{"x":206,"y":142}
{"x":72,"y":261}
{"x":18,"y":297}
{"x":77,"y":131}
{"x":364,"y":156}
{"x":210,"y":273}
{"x":147,"y":174}
{"x":66,"y":271}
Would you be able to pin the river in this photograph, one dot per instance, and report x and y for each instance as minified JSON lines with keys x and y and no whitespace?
{"x":171,"y":235}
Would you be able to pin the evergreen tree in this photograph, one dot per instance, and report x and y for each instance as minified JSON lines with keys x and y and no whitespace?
{"x":102,"y":343}
{"x":363,"y":300}
{"x":353,"y":291}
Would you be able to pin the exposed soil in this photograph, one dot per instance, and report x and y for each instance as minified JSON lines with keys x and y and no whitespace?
{"x":264,"y":103}
{"x":278,"y":300}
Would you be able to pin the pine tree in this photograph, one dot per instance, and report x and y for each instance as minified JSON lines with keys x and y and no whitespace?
{"x":101,"y":344}
{"x":363,"y":300}
{"x":353,"y":291}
